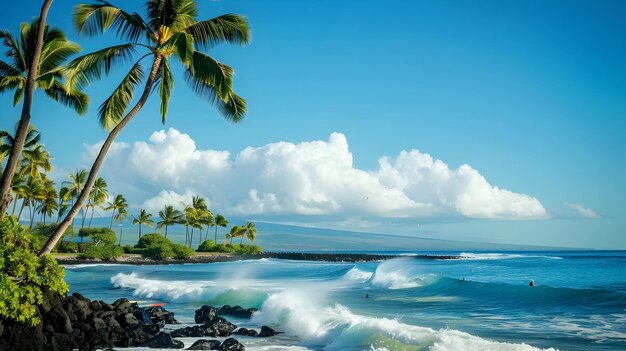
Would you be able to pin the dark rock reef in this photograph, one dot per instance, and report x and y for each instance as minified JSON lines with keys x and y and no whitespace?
{"x":77,"y":323}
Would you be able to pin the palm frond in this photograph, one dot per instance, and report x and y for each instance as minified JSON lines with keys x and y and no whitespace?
{"x":88,"y":68}
{"x":94,"y":19}
{"x":180,"y":43}
{"x":74,"y":99}
{"x":112,"y":109}
{"x":55,"y":53}
{"x":229,"y":28}
{"x":17,"y":97}
{"x":13,"y":52}
{"x":7,"y":70}
{"x":166,"y":85}
{"x":212,"y":80}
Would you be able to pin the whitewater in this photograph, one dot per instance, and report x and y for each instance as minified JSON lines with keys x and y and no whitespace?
{"x":481,"y":302}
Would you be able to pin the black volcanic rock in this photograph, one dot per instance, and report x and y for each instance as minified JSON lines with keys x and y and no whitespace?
{"x":217,"y":326}
{"x":231,"y":344}
{"x":236,"y":311}
{"x":203,"y":344}
{"x":266,"y":332}
{"x":205,"y":314}
{"x":163,"y":341}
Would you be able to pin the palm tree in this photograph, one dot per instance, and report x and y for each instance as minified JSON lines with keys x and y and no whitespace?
{"x":143,"y":218}
{"x":64,"y":201}
{"x":220,"y":221}
{"x":169,"y":216}
{"x":34,"y":160}
{"x":99,"y":193}
{"x":34,"y":62}
{"x":34,"y":190}
{"x":235,"y":232}
{"x":207,"y":219}
{"x":169,"y":29}
{"x":76,"y":185}
{"x":250,"y":232}
{"x":49,"y":203}
{"x":121,"y":215}
{"x":192,"y":219}
{"x":119,"y":203}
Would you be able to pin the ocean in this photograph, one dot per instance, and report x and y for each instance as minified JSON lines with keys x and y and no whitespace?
{"x":481,"y":302}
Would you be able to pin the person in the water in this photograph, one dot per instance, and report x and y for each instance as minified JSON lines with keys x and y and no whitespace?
{"x":532,"y":283}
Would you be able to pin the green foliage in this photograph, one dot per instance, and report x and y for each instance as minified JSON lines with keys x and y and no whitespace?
{"x":23,"y":275}
{"x":104,"y":251}
{"x":157,"y":246}
{"x":127,"y":249}
{"x":98,"y":235}
{"x":67,"y":247}
{"x":181,"y":251}
{"x":159,"y":251}
{"x":210,"y":246}
{"x":42,"y":232}
{"x":152,"y":239}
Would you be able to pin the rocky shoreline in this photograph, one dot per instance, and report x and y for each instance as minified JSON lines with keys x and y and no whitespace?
{"x":77,"y":323}
{"x":217,"y":257}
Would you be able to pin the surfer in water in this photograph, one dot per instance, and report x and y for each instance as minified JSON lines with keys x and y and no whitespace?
{"x":532,"y":283}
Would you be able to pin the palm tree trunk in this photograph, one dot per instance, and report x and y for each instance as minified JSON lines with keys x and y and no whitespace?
{"x":22,"y":129}
{"x":215,"y":234}
{"x":19,"y":215}
{"x":30,"y":214}
{"x":191,"y":237}
{"x":93,"y":209}
{"x":85,"y":209}
{"x":139,"y":232}
{"x":112,"y":216}
{"x":93,"y":173}
{"x":166,"y":231}
{"x":17,"y":198}
{"x":120,"y":236}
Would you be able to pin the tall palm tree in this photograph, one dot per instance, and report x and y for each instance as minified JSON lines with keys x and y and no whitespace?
{"x":35,"y":161}
{"x":49,"y":203}
{"x":34,"y":191}
{"x":120,"y":216}
{"x":207,"y":219}
{"x":250,"y":232}
{"x":143,"y":218}
{"x":64,"y":201}
{"x":34,"y":62}
{"x":99,"y":193}
{"x":235,"y":232}
{"x":169,"y":216}
{"x":220,"y":221}
{"x":119,"y":203}
{"x":76,"y":185}
{"x":169,"y":29}
{"x":192,"y":219}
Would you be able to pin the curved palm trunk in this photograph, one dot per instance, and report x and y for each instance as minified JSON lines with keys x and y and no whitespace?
{"x":166,"y":231}
{"x":120,"y":236}
{"x":93,"y":209}
{"x":139,"y":232}
{"x":22,"y":128}
{"x":17,"y":198}
{"x":112,"y":216}
{"x":93,"y":173}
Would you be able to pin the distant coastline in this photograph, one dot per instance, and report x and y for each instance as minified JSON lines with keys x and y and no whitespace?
{"x":71,"y":259}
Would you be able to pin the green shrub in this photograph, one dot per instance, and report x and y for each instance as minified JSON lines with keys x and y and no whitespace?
{"x":127,"y":249}
{"x":67,"y":247}
{"x":206,"y":246}
{"x":23,"y":275}
{"x":103,"y":251}
{"x":249,"y":250}
{"x":226,"y":248}
{"x":181,"y":251}
{"x":42,"y":232}
{"x":159,"y":251}
{"x":153,"y":239}
{"x":98,"y":235}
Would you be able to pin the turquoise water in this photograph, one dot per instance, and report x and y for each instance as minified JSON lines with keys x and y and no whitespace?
{"x":579,"y":302}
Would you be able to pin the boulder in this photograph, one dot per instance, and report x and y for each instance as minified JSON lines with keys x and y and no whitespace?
{"x":121,"y":306}
{"x":59,"y":320}
{"x":217,"y":326}
{"x":205,"y":314}
{"x":266,"y":332}
{"x":127,"y":320}
{"x":203,"y":344}
{"x":163,"y":341}
{"x":161,"y":316}
{"x":236,"y":311}
{"x":231,"y":344}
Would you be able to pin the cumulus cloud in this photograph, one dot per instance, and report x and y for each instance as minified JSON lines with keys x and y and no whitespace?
{"x":304,"y":179}
{"x":583,"y":211}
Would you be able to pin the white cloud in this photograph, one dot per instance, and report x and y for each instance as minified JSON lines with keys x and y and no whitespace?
{"x":309,"y":178}
{"x":585,"y":212}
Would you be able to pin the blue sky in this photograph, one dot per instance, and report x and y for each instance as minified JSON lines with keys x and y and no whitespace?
{"x":531,"y":95}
